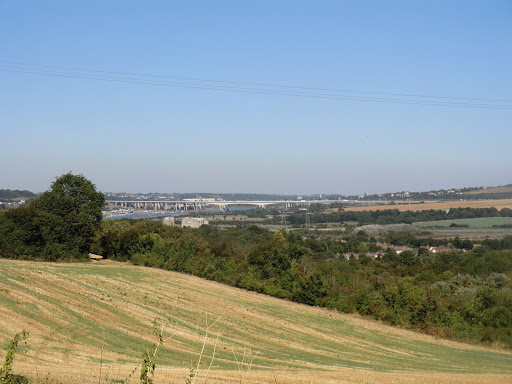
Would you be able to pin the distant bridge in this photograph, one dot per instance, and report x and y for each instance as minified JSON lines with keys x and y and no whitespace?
{"x":223,"y":205}
{"x":187,"y":205}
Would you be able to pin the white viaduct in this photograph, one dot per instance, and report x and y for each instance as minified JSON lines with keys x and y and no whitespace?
{"x":186,"y":205}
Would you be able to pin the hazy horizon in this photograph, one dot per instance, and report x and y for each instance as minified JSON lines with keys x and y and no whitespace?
{"x":270,"y":193}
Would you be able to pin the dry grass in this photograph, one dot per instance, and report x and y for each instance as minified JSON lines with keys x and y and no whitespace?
{"x":499,"y":204}
{"x":74,"y":311}
{"x":89,"y":375}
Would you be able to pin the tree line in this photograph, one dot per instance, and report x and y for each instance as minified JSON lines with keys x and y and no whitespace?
{"x":394,"y":216}
{"x":9,"y":194}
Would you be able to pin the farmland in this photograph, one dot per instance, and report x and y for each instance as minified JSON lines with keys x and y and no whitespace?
{"x":87,"y":318}
{"x":490,"y":190}
{"x":480,"y":222}
{"x":499,"y":204}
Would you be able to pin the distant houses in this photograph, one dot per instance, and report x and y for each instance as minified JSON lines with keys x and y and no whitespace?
{"x":398,"y":249}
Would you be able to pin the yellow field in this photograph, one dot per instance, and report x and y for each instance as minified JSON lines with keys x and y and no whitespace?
{"x":111,"y":373}
{"x":92,"y":319}
{"x":490,"y":190}
{"x":499,"y":204}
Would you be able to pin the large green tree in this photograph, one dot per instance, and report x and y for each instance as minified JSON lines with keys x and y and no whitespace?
{"x":76,"y":206}
{"x":62,"y":223}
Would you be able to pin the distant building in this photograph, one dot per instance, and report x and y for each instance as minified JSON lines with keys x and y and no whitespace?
{"x":374,"y":255}
{"x":169,"y":221}
{"x":193,"y":222}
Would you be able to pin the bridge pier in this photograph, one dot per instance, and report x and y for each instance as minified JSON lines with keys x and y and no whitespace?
{"x":196,"y":205}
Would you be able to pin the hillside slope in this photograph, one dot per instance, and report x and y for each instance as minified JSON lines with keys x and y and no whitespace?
{"x":79,"y":315}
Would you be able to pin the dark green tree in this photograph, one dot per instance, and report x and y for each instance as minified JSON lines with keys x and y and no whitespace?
{"x":76,"y":206}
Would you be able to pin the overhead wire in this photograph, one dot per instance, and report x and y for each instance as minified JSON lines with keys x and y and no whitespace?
{"x":255,"y":88}
{"x":249,"y":83}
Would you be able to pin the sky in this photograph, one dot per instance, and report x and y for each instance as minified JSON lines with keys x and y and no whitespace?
{"x":281,"y":96}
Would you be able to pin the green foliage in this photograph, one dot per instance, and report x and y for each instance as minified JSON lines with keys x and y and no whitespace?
{"x":6,"y":375}
{"x":75,"y":202}
{"x":191,"y":375}
{"x":147,"y":371}
{"x":61,"y":224}
{"x":8,"y":194}
{"x":394,"y":216}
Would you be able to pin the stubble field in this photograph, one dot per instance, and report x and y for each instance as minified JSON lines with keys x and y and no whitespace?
{"x":95,"y":319}
{"x":499,"y":204}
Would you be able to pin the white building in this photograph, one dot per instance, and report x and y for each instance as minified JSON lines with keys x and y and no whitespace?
{"x":169,"y":221}
{"x":193,"y":222}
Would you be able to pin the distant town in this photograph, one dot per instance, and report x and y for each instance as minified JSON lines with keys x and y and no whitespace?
{"x":471,"y":193}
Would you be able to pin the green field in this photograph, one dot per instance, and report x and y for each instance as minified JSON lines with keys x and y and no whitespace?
{"x":79,"y":315}
{"x":481,"y":222}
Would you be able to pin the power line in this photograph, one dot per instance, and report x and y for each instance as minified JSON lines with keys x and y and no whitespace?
{"x":254,"y":84}
{"x":245,"y":87}
{"x":261,"y":91}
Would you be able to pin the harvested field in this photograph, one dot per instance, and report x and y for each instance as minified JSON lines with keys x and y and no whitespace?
{"x":489,"y":190}
{"x":499,"y":204}
{"x":85,"y":316}
{"x":479,"y":222}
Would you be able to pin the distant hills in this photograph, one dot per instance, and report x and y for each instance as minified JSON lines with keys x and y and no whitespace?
{"x":472,"y":193}
{"x":11,"y":194}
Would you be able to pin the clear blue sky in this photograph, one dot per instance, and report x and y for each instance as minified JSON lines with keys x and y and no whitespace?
{"x":136,"y":136}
